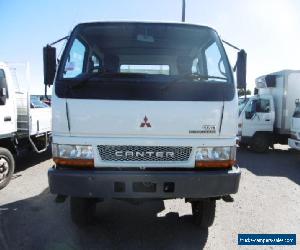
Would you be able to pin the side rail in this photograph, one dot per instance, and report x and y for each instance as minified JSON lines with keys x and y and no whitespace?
{"x":30,"y":128}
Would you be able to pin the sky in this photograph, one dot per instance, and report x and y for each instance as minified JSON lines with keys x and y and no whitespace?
{"x":267,"y":29}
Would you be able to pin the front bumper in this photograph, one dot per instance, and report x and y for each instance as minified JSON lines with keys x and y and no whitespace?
{"x":294,"y":143}
{"x":144,"y":184}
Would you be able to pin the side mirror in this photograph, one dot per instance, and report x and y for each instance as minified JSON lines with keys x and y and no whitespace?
{"x":241,"y":69}
{"x":49,"y":56}
{"x":3,"y":91}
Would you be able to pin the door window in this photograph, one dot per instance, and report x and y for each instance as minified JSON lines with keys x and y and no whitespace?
{"x":250,"y":109}
{"x":3,"y":85}
{"x":214,"y":61}
{"x":263,"y":106}
{"x":75,"y":62}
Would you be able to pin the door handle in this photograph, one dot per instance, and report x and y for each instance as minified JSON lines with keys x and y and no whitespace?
{"x":7,"y":118}
{"x":267,"y":120}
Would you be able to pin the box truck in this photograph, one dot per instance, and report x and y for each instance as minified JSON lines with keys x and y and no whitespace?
{"x":265,"y":118}
{"x":294,"y":141}
{"x":24,"y":123}
{"x":143,"y":111}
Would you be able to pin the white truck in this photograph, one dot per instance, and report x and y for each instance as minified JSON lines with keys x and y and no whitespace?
{"x":294,"y":141}
{"x":265,"y":118}
{"x":143,"y":111}
{"x":24,"y":123}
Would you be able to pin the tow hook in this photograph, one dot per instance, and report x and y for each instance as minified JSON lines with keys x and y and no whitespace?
{"x":227,"y":198}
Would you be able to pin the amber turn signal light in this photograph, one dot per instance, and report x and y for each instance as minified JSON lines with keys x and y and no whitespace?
{"x":74,"y":162}
{"x":215,"y":164}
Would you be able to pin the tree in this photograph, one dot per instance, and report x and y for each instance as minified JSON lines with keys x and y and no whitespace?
{"x":241,"y":92}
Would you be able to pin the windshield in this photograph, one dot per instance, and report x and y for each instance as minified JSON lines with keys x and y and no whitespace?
{"x":242,"y":104}
{"x":150,"y":54}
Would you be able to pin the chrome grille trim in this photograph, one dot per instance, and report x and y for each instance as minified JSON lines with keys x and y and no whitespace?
{"x":126,"y":153}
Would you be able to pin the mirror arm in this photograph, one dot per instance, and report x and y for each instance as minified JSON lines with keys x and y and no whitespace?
{"x":231,"y":45}
{"x":59,"y":40}
{"x":46,"y":96}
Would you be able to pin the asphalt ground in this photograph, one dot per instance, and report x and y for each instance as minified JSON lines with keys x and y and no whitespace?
{"x":268,"y":201}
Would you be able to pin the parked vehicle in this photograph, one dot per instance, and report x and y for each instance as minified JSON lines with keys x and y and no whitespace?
{"x":242,"y":102}
{"x":143,"y":111}
{"x":265,"y":118}
{"x":42,"y":98}
{"x":294,"y":141}
{"x":21,"y":126}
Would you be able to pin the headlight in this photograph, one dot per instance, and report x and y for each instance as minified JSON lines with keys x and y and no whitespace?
{"x":79,"y":155}
{"x":215,"y":156}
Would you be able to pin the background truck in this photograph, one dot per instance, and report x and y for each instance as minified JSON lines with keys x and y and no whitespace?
{"x":265,"y":118}
{"x":143,"y":111}
{"x":24,"y":123}
{"x":294,"y":141}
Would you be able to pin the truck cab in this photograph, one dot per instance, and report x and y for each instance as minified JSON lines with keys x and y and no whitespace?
{"x":8,"y":124}
{"x":8,"y":110}
{"x":265,"y":118}
{"x":256,"y":120}
{"x":143,"y":111}
{"x":294,"y":141}
{"x":22,"y":126}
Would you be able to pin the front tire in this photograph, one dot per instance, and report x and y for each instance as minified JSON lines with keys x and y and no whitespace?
{"x":82,"y":210}
{"x":260,"y":143}
{"x":204,"y":212}
{"x":7,"y":167}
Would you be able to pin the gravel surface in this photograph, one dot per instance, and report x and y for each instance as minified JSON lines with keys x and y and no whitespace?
{"x":268,"y":201}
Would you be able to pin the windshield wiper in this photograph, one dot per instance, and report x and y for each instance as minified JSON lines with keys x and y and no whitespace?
{"x":85,"y":79}
{"x":200,"y":77}
{"x":191,"y":77}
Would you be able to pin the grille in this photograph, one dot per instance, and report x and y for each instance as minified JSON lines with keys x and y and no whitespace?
{"x":143,"y":153}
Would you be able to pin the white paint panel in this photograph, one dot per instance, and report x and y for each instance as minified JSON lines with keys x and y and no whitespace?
{"x":293,"y":93}
{"x":124,"y":118}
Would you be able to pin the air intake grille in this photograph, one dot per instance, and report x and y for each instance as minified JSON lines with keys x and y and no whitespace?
{"x":143,"y":153}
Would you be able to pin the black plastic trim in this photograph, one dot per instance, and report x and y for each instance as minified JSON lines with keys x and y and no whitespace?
{"x":185,"y":184}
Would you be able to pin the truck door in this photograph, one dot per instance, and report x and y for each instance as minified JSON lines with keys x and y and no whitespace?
{"x":258,"y":116}
{"x":6,"y":108}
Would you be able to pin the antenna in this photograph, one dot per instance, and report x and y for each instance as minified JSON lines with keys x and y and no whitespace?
{"x":183,"y":11}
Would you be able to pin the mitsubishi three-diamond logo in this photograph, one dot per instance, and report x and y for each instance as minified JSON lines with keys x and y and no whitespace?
{"x":145,"y":123}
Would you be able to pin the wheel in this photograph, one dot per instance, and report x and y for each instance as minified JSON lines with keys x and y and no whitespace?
{"x":204,"y":212}
{"x":82,"y":210}
{"x":243,"y":145}
{"x":260,"y":143}
{"x":7,"y":167}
